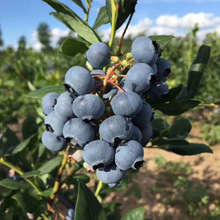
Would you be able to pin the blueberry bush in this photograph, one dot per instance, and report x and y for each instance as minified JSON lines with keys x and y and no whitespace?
{"x":97,"y":117}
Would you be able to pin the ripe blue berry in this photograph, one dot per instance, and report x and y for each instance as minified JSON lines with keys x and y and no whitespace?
{"x":138,"y":78}
{"x":114,"y":127}
{"x":53,"y":142}
{"x":79,"y":80}
{"x":98,"y":154}
{"x":98,"y":55}
{"x":88,"y":107}
{"x":147,"y":133}
{"x":144,"y":50}
{"x":111,"y":175}
{"x":48,"y":102}
{"x":137,"y":135}
{"x":144,"y":116}
{"x":127,"y":104}
{"x":71,"y":213}
{"x":163,"y":69}
{"x":159,"y":90}
{"x":129,"y":155}
{"x":78,"y":133}
{"x":63,"y":108}
{"x":54,"y":124}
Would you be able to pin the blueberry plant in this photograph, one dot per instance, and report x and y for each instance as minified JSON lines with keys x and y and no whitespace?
{"x":99,"y":119}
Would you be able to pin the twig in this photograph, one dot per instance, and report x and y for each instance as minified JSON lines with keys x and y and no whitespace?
{"x":124,"y":32}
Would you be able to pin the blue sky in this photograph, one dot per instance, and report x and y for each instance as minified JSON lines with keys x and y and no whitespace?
{"x":22,"y":17}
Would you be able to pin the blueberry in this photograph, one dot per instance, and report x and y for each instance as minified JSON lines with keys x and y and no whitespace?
{"x":115,"y":128}
{"x":144,"y":50}
{"x":154,"y":67}
{"x":49,"y":101}
{"x":98,"y":71}
{"x":144,"y":116}
{"x":54,"y":124}
{"x":79,"y":80}
{"x":88,"y":107}
{"x":53,"y":142}
{"x":110,"y":94}
{"x":63,"y":108}
{"x":163,"y":69}
{"x":147,"y":133}
{"x":159,"y":90}
{"x":71,"y":213}
{"x":138,"y":78}
{"x":129,"y":155}
{"x":78,"y":133}
{"x":111,"y":175}
{"x":127,"y":104}
{"x":98,"y":154}
{"x":98,"y":55}
{"x":137,"y":135}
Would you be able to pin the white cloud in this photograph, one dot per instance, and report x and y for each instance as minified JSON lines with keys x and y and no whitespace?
{"x":133,"y":30}
{"x":188,"y":21}
{"x":57,"y":33}
{"x":37,"y":46}
{"x":172,"y":25}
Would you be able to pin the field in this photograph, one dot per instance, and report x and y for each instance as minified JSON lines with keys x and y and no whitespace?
{"x":177,"y":127}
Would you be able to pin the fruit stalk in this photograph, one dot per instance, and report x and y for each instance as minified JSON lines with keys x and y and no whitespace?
{"x":17,"y":170}
{"x":114,"y":21}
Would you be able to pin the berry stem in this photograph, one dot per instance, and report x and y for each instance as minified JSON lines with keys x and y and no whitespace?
{"x":114,"y":21}
{"x":119,"y":52}
{"x":117,"y":86}
{"x":120,"y":75}
{"x":110,"y":73}
{"x":17,"y":170}
{"x":98,"y":189}
{"x":96,"y":88}
{"x":57,"y":183}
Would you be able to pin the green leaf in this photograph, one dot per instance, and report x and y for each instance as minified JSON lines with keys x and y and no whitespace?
{"x":40,"y":93}
{"x":197,"y":69}
{"x":87,"y":205}
{"x":80,"y":4}
{"x":183,"y":94}
{"x":162,"y":40}
{"x":30,"y":141}
{"x":50,"y":165}
{"x":71,"y":47}
{"x":189,"y":149}
{"x":102,"y":18}
{"x":176,"y":108}
{"x":126,"y":7}
{"x":180,"y":128}
{"x":159,"y":126}
{"x":10,"y":141}
{"x":12,"y":184}
{"x":135,"y":214}
{"x":47,"y":193}
{"x":170,"y":141}
{"x":73,"y":21}
{"x":28,"y":203}
{"x":32,"y":173}
{"x":82,"y":177}
{"x":29,"y":127}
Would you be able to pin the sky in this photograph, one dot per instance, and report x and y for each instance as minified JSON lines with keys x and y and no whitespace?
{"x":177,"y":17}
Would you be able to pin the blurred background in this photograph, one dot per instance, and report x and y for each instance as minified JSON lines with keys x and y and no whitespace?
{"x":168,"y":186}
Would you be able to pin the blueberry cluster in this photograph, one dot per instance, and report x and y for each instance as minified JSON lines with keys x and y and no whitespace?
{"x":103,"y":114}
